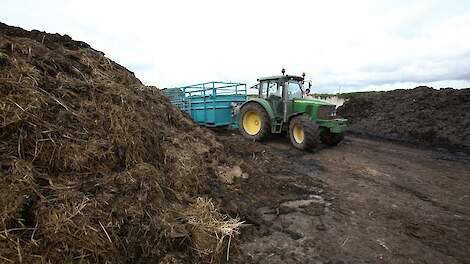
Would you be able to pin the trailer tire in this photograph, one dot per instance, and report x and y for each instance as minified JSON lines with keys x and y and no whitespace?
{"x":304,"y":133}
{"x":254,"y":122}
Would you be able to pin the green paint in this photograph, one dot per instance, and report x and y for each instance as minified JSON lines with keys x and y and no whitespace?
{"x":265,"y":104}
{"x":335,"y":125}
{"x":274,"y":106}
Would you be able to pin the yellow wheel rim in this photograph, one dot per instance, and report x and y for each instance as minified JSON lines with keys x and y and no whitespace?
{"x":298,"y":132}
{"x":251,"y":123}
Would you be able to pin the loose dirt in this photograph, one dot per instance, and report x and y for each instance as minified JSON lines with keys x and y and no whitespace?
{"x":423,"y":115}
{"x":364,"y":201}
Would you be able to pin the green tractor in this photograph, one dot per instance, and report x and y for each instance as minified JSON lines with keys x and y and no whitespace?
{"x":281,"y":106}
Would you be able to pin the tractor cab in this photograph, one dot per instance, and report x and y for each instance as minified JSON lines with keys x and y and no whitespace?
{"x":281,"y":105}
{"x":280,"y":91}
{"x":285,"y":86}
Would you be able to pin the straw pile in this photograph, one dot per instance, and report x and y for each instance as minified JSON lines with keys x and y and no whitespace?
{"x":94,"y":166}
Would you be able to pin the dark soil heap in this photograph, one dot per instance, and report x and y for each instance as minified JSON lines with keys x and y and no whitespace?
{"x":423,"y":114}
{"x":94,"y":166}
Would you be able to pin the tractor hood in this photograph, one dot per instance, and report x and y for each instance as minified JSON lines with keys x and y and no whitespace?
{"x":316,"y":109}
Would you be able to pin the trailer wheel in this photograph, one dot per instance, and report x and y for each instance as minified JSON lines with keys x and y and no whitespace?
{"x":304,"y":133}
{"x":254,"y":122}
{"x":331,"y":139}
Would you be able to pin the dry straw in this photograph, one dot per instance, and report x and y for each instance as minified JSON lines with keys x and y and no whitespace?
{"x":211,"y":231}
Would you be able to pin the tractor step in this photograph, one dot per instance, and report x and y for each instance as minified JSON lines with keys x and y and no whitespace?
{"x":277,"y":128}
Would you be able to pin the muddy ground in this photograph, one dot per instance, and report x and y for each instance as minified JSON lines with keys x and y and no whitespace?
{"x":364,"y":201}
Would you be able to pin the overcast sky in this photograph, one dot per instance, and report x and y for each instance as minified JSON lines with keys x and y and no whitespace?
{"x":348,"y":45}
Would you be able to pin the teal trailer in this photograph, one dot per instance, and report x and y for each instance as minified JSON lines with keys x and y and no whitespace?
{"x":210,"y":104}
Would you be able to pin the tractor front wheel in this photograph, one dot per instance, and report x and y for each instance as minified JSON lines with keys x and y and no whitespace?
{"x":304,"y":133}
{"x":254,"y":122}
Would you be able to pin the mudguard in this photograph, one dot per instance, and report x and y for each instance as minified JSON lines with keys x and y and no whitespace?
{"x":264,"y":103}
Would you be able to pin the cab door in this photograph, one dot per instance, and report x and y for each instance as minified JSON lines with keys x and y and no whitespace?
{"x":292,"y":90}
{"x":272,"y":92}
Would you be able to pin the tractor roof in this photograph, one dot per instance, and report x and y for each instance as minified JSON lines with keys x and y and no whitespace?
{"x":277,"y":77}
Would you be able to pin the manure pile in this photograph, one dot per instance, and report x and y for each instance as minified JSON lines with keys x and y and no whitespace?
{"x":424,"y":115}
{"x":94,"y":166}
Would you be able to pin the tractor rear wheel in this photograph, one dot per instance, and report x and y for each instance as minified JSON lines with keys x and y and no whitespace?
{"x":304,"y":133}
{"x":331,"y":139}
{"x":254,"y":122}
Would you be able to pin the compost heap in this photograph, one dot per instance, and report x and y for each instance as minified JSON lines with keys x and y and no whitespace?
{"x":423,"y":114}
{"x":94,"y":166}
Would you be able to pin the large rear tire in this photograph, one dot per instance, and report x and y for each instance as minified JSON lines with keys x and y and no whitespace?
{"x":331,"y":139}
{"x":254,"y":122}
{"x":304,"y":133}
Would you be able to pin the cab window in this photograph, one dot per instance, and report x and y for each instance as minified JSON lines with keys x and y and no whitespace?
{"x":274,"y":90}
{"x":263,"y":90}
{"x":294,"y":90}
{"x":270,"y":89}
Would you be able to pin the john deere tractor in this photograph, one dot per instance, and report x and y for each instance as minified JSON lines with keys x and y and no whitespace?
{"x":282,"y":106}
